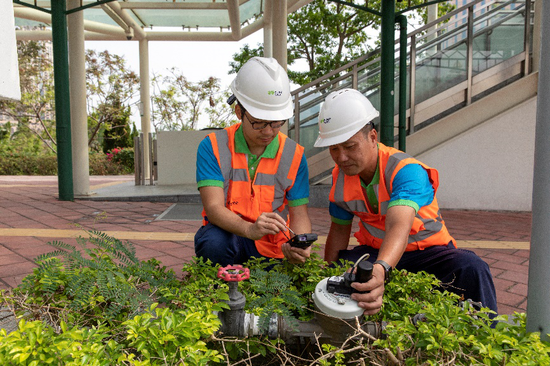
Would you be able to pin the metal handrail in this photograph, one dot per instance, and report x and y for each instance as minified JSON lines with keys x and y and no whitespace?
{"x":355,"y":74}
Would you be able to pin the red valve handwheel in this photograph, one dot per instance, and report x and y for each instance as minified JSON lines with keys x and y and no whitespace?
{"x":240,"y":273}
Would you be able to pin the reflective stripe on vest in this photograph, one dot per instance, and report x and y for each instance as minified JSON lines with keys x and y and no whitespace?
{"x":267,"y":192}
{"x":428,"y":227}
{"x":279,"y":180}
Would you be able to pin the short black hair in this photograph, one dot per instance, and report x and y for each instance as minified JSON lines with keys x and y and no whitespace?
{"x":368,"y":128}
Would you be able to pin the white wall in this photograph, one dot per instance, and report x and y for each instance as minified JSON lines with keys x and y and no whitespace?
{"x":9,"y":70}
{"x":489,"y":167}
{"x":177,"y":154}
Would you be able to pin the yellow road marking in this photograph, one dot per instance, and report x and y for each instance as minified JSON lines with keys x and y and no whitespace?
{"x":160,"y":236}
{"x":122,"y":235}
{"x":26,"y":185}
{"x":98,"y":186}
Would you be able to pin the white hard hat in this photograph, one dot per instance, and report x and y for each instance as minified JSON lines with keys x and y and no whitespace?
{"x":263,"y":89}
{"x":342,"y":115}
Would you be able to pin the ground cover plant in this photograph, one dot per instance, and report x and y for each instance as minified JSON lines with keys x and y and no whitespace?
{"x":96,"y":303}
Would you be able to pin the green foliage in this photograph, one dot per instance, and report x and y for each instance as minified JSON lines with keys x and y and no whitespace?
{"x":325,"y":35}
{"x":111,"y":90}
{"x":178,"y":104}
{"x":34,"y":114}
{"x":125,"y":312}
{"x":25,"y":164}
{"x":36,"y":344}
{"x":123,"y":157}
{"x":174,"y":336}
{"x":101,"y":165}
{"x":448,"y":333}
{"x":89,"y":282}
{"x":118,"y":133}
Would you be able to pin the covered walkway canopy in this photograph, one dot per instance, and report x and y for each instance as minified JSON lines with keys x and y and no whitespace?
{"x":71,"y":22}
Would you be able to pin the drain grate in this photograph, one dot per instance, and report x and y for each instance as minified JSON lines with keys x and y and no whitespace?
{"x":182,"y":212}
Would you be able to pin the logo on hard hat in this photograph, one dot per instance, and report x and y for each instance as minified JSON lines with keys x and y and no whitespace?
{"x":326,"y":120}
{"x":276,"y":93}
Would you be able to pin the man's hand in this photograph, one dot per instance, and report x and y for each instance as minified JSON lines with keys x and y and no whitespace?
{"x":371,"y":301}
{"x":295,"y":255}
{"x":268,"y":223}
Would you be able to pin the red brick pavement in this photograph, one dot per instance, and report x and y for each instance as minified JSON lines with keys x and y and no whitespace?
{"x":31,"y":203}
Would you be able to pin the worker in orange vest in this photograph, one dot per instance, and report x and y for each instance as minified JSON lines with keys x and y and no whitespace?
{"x":394,"y":197}
{"x":253,"y":180}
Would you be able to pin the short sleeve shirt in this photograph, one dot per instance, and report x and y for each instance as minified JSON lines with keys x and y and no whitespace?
{"x":411,"y":187}
{"x":209,"y":174}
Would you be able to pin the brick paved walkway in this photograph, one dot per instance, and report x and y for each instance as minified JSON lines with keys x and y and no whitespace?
{"x":31,"y":216}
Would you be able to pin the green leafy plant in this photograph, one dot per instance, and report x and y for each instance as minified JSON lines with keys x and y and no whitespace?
{"x":174,"y":336}
{"x":88,"y":283}
{"x":122,"y":156}
{"x":97,"y":304}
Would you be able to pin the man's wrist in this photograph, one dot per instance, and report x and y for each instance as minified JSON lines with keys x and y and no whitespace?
{"x":387,"y":270}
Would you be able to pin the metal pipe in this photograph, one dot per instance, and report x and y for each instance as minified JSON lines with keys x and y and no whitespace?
{"x":527,"y":36}
{"x":387,"y":61}
{"x":412,"y":85}
{"x":62,"y":101}
{"x":402,"y":82}
{"x":469,"y":55}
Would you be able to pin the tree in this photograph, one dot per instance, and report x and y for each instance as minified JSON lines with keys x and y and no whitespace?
{"x":112,"y":89}
{"x":220,"y":114}
{"x":167,"y":111}
{"x":34,"y":113}
{"x":179,"y":104}
{"x":326,"y":35}
{"x":118,"y":133}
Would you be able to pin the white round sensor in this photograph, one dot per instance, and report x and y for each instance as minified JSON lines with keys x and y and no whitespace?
{"x":339,"y":306}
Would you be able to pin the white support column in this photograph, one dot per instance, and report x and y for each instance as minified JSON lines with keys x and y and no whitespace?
{"x":279,"y":45}
{"x":268,"y":28}
{"x":279,"y":32}
{"x":79,"y":116}
{"x":145,"y":109}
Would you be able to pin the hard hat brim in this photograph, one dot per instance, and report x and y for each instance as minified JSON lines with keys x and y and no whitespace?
{"x":282,"y":114}
{"x":335,"y":140}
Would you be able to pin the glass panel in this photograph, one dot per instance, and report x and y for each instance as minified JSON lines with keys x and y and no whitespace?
{"x":499,"y":35}
{"x":441,"y":64}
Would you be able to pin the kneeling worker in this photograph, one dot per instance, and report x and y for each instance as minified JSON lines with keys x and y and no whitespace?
{"x":394,"y":197}
{"x":253,"y":179}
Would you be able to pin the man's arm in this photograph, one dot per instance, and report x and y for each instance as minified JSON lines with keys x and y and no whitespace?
{"x":337,"y":239}
{"x":399,"y":220}
{"x":214,"y":205}
{"x":300,"y":224}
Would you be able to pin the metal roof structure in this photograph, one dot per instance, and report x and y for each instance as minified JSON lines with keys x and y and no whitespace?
{"x":158,"y":20}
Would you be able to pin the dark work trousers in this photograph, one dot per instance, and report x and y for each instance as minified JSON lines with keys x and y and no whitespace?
{"x":467,"y":274}
{"x":223,"y":247}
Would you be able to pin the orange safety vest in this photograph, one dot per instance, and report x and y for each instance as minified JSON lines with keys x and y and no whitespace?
{"x":428,"y":228}
{"x":267,"y":193}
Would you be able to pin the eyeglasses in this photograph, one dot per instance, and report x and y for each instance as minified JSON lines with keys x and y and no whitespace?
{"x":261,"y":125}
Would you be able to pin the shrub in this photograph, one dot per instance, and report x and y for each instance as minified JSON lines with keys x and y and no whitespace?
{"x":101,"y":165}
{"x":125,"y":312}
{"x":122,"y":156}
{"x":22,"y":164}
